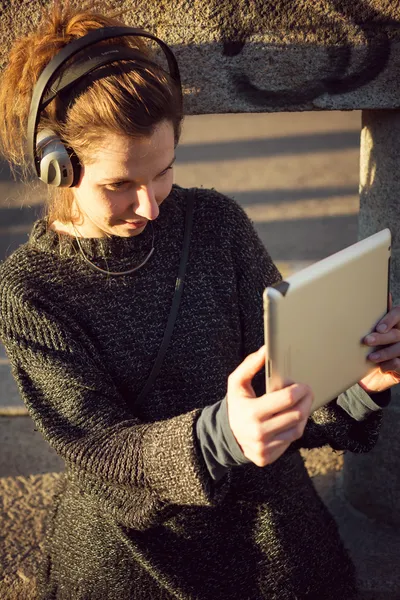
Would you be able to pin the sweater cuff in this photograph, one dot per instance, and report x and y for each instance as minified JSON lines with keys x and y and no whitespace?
{"x":359,"y":404}
{"x":174,"y":466}
{"x":217,"y":443}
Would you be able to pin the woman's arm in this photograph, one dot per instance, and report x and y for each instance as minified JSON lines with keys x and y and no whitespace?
{"x":76,"y":406}
{"x":331,"y":424}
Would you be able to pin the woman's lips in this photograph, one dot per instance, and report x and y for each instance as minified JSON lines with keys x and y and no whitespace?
{"x":135,"y":224}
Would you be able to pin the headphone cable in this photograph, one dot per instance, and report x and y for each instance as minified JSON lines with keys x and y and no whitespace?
{"x":115,"y":272}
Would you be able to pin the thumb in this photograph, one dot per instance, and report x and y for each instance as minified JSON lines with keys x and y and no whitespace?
{"x":242,"y":376}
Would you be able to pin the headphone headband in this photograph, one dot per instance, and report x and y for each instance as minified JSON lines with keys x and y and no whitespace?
{"x":80,"y":69}
{"x":105,"y":55}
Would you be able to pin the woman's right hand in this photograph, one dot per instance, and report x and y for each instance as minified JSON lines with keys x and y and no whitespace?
{"x":265,"y":427}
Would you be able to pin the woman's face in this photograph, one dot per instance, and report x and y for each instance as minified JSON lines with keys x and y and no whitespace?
{"x":125,"y":182}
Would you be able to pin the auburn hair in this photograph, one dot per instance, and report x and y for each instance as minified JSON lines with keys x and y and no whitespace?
{"x":129,"y":101}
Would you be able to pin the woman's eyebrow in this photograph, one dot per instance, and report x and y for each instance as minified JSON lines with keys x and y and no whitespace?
{"x":124,"y":178}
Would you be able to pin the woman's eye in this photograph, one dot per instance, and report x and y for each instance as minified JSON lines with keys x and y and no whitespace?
{"x":122,"y":185}
{"x":164,"y":172}
{"x":118,"y":185}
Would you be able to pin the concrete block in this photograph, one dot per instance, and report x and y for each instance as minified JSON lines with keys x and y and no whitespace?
{"x":371,"y":481}
{"x":263,"y":56}
{"x":374,"y":547}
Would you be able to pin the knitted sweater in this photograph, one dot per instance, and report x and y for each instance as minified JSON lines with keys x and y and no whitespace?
{"x":137,"y":515}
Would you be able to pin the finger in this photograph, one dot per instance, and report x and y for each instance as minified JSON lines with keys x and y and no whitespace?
{"x":282,"y":400}
{"x":390,"y":320}
{"x":289,"y":418}
{"x":391,"y":366}
{"x":243,"y":375}
{"x":265,"y":407}
{"x":278,"y":444}
{"x":384,"y":354}
{"x":381,"y":339}
{"x":273,"y":452}
{"x":290,"y":435}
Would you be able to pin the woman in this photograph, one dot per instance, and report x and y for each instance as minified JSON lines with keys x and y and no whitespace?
{"x":196,"y":491}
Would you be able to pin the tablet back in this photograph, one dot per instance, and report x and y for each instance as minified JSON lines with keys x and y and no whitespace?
{"x":316,"y":319}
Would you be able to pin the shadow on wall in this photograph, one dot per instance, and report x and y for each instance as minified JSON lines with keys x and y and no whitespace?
{"x":6,"y":175}
{"x":305,"y":239}
{"x":308,"y":239}
{"x":16,"y":222}
{"x":293,"y":144}
{"x":15,"y":225}
{"x":5,"y":172}
{"x":331,"y":62}
{"x":292,"y":195}
{"x":24,"y":215}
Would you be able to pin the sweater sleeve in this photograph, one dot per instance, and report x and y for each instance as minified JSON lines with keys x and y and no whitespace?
{"x":77,"y":407}
{"x":359,"y":404}
{"x":217,"y":442}
{"x":331,"y":424}
{"x":349,"y":422}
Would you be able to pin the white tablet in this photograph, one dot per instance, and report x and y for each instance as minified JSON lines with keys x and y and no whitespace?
{"x":316,"y":319}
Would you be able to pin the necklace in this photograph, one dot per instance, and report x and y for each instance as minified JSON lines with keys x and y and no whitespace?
{"x":115,"y":272}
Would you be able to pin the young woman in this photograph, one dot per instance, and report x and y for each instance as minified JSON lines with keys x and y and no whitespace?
{"x":197,"y":490}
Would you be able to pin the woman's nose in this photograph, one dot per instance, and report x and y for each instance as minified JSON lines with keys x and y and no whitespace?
{"x":147,"y":206}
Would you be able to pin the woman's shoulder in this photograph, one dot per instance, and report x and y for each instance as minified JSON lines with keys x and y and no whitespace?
{"x":213,"y":205}
{"x":25,"y":305}
{"x":20,"y":271}
{"x":207,"y":195}
{"x":13,"y":266}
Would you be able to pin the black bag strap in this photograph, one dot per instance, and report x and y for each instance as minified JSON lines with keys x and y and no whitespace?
{"x":180,"y":280}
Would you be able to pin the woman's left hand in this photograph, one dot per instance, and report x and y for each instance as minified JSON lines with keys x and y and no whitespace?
{"x":387,"y":359}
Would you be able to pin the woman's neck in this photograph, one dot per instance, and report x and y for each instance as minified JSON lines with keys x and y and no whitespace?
{"x":69,"y":229}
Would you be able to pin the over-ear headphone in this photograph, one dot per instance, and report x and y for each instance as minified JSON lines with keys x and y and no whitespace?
{"x":54,"y":162}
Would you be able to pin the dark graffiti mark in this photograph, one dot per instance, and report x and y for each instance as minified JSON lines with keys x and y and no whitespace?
{"x":233,"y":48}
{"x":374,"y":63}
{"x":235,"y":33}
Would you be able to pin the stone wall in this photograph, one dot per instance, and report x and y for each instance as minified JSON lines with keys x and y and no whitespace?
{"x":263,"y":55}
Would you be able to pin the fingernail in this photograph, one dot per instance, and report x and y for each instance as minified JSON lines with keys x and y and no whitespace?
{"x":370,"y":339}
{"x":381,"y":328}
{"x":374,"y":355}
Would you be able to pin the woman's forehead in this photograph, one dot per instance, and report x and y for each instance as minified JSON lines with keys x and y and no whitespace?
{"x":123,"y":150}
{"x":119,"y":155}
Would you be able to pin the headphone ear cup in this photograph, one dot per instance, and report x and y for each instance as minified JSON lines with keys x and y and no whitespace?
{"x":56,"y":167}
{"x":76,"y":167}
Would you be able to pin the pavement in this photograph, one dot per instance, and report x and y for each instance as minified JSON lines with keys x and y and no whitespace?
{"x":29,"y":473}
{"x":297,"y":177}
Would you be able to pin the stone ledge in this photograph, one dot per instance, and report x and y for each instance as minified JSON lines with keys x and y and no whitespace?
{"x":255,"y":57}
